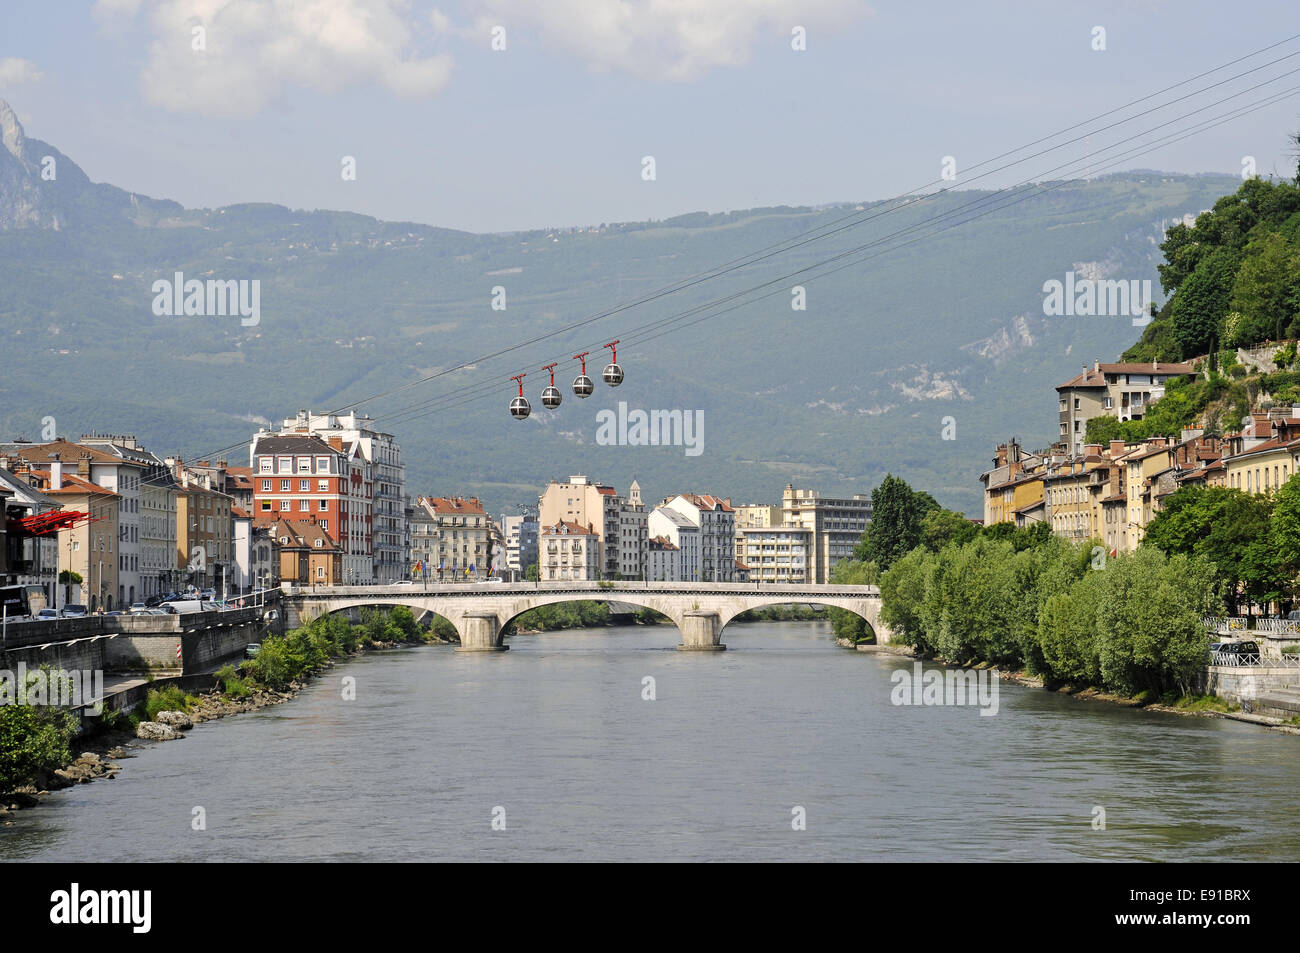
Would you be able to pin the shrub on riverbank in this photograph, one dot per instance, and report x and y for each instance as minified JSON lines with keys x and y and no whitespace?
{"x":1125,"y":624}
{"x":33,"y":739}
{"x":167,"y":698}
{"x":790,"y":613}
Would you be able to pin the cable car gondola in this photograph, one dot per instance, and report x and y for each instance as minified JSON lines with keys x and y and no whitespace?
{"x":519,"y":408}
{"x":582,"y":385}
{"x":613,"y":374}
{"x":551,"y":396}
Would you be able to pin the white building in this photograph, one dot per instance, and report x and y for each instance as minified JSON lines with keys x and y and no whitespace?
{"x":569,"y":552}
{"x":717,"y":525}
{"x":633,"y":533}
{"x":521,"y":534}
{"x":663,"y":560}
{"x":682,"y":533}
{"x":837,"y":526}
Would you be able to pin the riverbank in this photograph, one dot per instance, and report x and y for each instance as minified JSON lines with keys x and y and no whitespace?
{"x":1096,"y":694}
{"x":284,"y":667}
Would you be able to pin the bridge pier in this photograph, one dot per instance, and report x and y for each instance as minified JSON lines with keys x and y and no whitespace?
{"x":480,"y":632}
{"x":701,"y":631}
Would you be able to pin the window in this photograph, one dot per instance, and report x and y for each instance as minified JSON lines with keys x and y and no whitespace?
{"x":266,"y":486}
{"x":284,"y":464}
{"x":320,"y":572}
{"x":264,"y":464}
{"x":304,"y":486}
{"x":266,"y":506}
{"x":284,"y":486}
{"x":324,"y":486}
{"x":286,"y":505}
{"x":322,"y":464}
{"x":304,"y":506}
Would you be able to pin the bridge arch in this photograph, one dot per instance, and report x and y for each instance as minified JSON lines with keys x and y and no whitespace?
{"x":700,"y":610}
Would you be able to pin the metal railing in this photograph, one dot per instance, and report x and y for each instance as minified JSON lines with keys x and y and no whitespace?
{"x":1253,"y":659}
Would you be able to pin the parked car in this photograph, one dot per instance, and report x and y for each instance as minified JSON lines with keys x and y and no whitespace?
{"x":1234,"y":653}
{"x":48,"y":614}
{"x":1293,"y":615}
{"x":74,"y":610}
{"x":251,"y":650}
{"x":209,"y":594}
{"x":137,"y":606}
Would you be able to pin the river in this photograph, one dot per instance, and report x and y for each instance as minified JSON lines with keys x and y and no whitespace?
{"x":555,"y":733}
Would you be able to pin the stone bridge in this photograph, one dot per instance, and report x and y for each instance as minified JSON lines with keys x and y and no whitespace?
{"x":481,"y":611}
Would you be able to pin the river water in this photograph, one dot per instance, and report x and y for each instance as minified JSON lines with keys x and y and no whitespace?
{"x":554,"y":739}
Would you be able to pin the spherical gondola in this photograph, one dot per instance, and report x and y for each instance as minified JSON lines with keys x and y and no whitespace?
{"x":613,"y":374}
{"x":551,"y":396}
{"x":519,"y":408}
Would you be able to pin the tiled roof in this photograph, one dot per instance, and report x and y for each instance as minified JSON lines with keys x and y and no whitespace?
{"x":290,"y":443}
{"x":565,"y":528}
{"x":1097,"y":378}
{"x":447,"y":505}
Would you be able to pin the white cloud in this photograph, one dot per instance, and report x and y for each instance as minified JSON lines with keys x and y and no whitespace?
{"x":674,"y":40}
{"x":15,"y":72}
{"x":256,"y":49}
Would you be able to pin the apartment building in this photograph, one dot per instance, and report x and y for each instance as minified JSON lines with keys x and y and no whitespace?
{"x":569,"y":551}
{"x":663,"y":560}
{"x":598,"y":507}
{"x":836,"y":525}
{"x":205,"y":531}
{"x":28,"y":559}
{"x":451,"y":535}
{"x":521,"y":534}
{"x":682,"y":532}
{"x":388,"y":499}
{"x":775,"y":554}
{"x":1122,"y":390}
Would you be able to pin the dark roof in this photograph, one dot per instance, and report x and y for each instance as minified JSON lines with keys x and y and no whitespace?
{"x":291,"y":443}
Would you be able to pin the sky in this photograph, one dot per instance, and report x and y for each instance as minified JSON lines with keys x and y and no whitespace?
{"x":500,"y":115}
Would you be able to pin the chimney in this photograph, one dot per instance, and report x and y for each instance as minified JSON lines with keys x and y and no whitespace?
{"x":83,"y":465}
{"x":1096,"y":366}
{"x":56,"y":472}
{"x":1116,"y":448}
{"x":336,"y":443}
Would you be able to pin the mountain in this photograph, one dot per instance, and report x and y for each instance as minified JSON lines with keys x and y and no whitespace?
{"x":937,"y":335}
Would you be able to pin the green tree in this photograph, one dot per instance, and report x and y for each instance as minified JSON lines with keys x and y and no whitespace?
{"x":903,"y":593}
{"x":1284,"y":534}
{"x":1198,"y":308}
{"x":939,"y":527}
{"x":531,"y":573}
{"x":895,"y":528}
{"x":845,"y":624}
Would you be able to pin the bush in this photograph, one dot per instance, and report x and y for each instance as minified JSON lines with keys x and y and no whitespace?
{"x":167,"y":698}
{"x":231,"y":684}
{"x":33,"y":739}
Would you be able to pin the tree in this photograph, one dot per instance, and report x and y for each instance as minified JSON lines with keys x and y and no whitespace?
{"x":1228,"y":528}
{"x":531,"y":573}
{"x":845,"y":624}
{"x":1284,"y":533}
{"x":1198,"y":309}
{"x":895,"y":527}
{"x":902,"y":593}
{"x":940,"y":527}
{"x":69,"y":579}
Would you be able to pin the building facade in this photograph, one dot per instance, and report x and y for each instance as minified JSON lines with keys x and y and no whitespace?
{"x":836,"y":525}
{"x":569,"y":552}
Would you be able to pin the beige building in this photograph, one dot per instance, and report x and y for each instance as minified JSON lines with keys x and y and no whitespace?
{"x":568,"y":551}
{"x":205,"y":532}
{"x":1123,"y":391}
{"x":836,"y":525}
{"x":450,"y":538}
{"x":775,"y":554}
{"x":89,"y":548}
{"x":621,"y":525}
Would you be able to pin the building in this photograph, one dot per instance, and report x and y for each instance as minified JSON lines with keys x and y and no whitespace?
{"x":598,"y":507}
{"x":111,"y":462}
{"x":1123,"y":391}
{"x":775,"y":554}
{"x":520,"y":534}
{"x":716,"y":521}
{"x":387,"y":476}
{"x":569,"y":552}
{"x":257,"y":553}
{"x":89,"y":548}
{"x":757,"y":514}
{"x":309,"y":556}
{"x":836,"y":524}
{"x":27,"y":558}
{"x":302,"y":475}
{"x":677,"y":528}
{"x":1013,"y":483}
{"x":451,"y":535}
{"x":205,"y":531}
{"x":663,"y":560}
